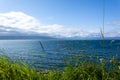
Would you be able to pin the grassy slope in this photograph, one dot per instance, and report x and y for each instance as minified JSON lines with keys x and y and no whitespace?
{"x":82,"y":71}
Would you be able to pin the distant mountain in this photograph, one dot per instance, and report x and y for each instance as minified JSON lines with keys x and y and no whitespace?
{"x":14,"y":33}
{"x":48,"y":37}
{"x":112,"y":38}
{"x":91,"y":38}
{"x":24,"y":37}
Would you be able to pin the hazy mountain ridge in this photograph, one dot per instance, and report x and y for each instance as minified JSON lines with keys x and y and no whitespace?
{"x":48,"y":37}
{"x":12,"y":33}
{"x":24,"y":37}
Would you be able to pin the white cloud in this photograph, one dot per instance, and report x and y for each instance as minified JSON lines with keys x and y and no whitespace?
{"x":19,"y":22}
{"x":24,"y":23}
{"x":115,"y":23}
{"x":115,"y":29}
{"x":50,"y":18}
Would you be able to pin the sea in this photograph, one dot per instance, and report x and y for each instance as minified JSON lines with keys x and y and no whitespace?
{"x":48,"y":54}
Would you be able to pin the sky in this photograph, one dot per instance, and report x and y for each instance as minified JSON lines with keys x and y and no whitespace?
{"x":60,"y":18}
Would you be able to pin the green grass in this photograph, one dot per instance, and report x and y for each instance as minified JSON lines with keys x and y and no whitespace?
{"x":85,"y":70}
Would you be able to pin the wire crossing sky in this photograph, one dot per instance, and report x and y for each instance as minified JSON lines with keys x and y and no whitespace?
{"x":59,"y":18}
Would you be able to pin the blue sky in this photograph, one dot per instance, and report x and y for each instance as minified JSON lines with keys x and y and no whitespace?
{"x":59,"y":18}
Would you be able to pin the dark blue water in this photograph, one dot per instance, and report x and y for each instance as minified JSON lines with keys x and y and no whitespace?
{"x":51,"y":53}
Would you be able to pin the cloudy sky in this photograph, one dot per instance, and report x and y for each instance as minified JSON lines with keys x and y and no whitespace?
{"x":59,"y":18}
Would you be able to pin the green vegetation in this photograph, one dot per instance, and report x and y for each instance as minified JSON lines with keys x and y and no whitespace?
{"x":84,"y":70}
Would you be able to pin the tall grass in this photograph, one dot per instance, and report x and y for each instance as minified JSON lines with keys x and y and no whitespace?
{"x":85,"y":70}
{"x":77,"y":67}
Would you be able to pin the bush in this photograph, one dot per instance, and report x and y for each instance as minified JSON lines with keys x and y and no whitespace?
{"x":85,"y":70}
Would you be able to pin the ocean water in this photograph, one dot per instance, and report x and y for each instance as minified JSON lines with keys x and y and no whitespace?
{"x":44,"y":54}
